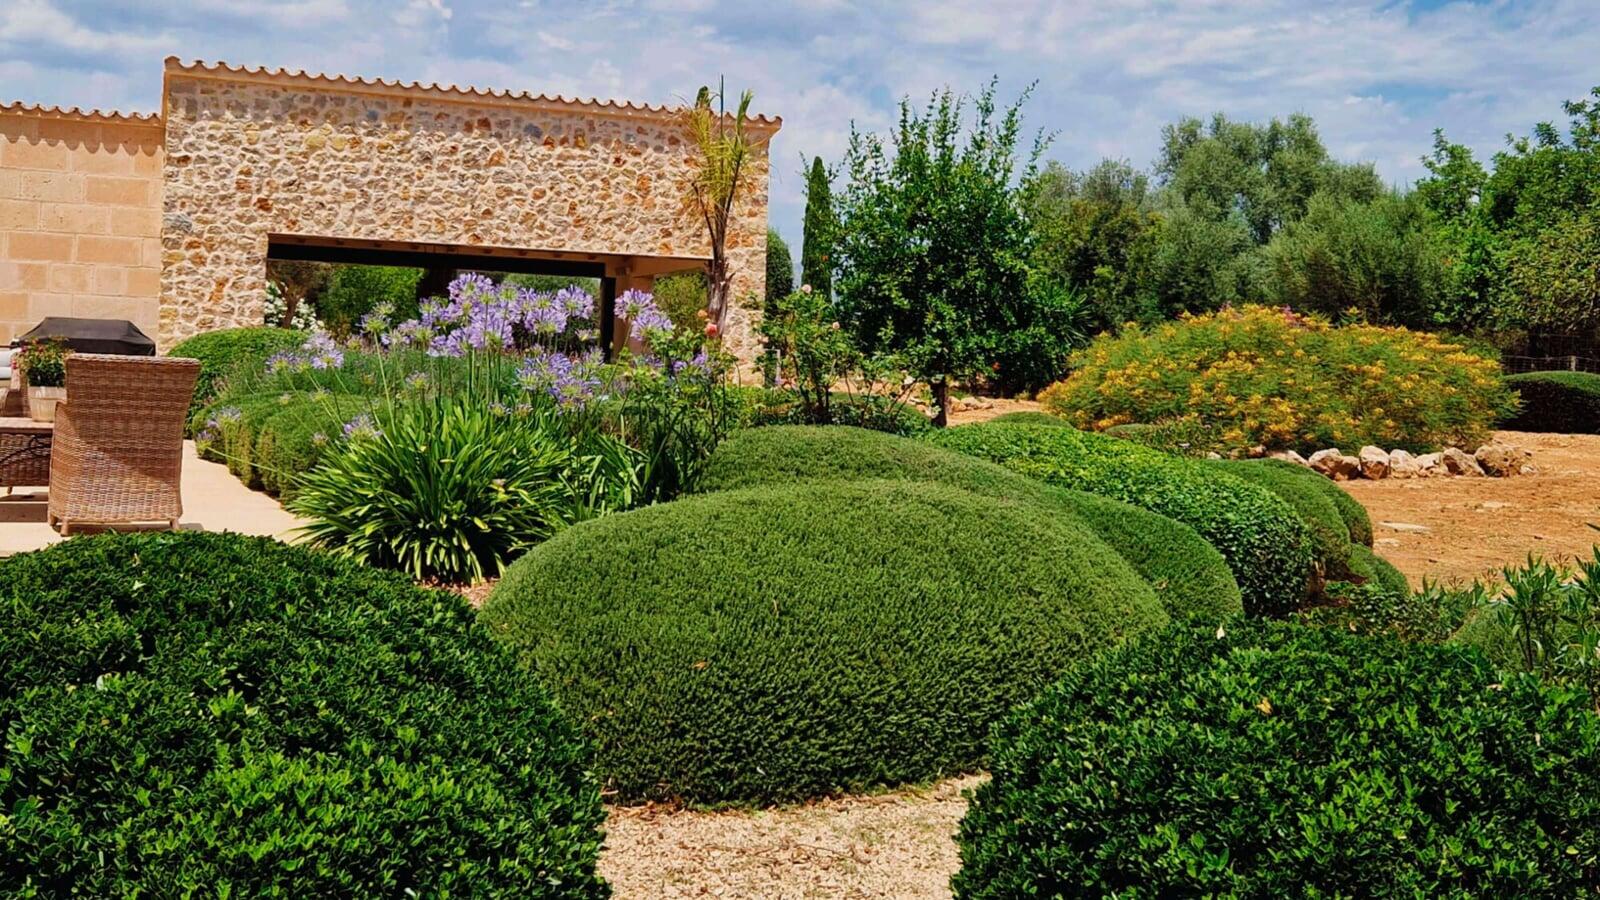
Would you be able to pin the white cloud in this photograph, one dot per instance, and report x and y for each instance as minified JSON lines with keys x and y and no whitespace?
{"x":1378,"y":75}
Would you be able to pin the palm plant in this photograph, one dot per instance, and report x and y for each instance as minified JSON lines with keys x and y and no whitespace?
{"x":718,"y":182}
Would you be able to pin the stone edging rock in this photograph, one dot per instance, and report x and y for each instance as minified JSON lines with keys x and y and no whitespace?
{"x":1492,"y":460}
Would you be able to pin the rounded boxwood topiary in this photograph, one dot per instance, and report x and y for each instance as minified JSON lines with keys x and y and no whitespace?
{"x":1274,"y":760}
{"x":1303,"y":490}
{"x":1368,"y":566}
{"x":1189,"y":575}
{"x":1266,"y":544}
{"x":786,"y":642}
{"x":1564,"y":402}
{"x":221,"y":352}
{"x":223,"y":715}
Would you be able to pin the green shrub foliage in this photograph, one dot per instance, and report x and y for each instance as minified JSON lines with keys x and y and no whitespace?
{"x":786,"y":642}
{"x":223,"y":352}
{"x":215,"y":715}
{"x":1266,"y":544}
{"x":1371,"y":568}
{"x":1274,"y":760}
{"x":777,"y":406}
{"x":1305,"y":491}
{"x":1564,"y":402}
{"x":1188,"y":574}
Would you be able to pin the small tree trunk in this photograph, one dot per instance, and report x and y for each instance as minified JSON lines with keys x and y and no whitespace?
{"x":941,"y":402}
{"x":291,"y":306}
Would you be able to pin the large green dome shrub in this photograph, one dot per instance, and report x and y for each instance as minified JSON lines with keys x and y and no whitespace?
{"x":1266,"y":544}
{"x":226,"y":715}
{"x":1275,"y":760}
{"x":1189,"y":575}
{"x":786,"y":642}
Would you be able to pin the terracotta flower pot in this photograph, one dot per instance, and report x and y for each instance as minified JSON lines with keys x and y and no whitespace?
{"x":42,"y":402}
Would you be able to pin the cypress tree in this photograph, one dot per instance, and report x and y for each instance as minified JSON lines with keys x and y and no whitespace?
{"x":816,"y":248}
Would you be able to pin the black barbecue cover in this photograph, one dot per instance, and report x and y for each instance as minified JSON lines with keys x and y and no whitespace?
{"x":92,"y":336}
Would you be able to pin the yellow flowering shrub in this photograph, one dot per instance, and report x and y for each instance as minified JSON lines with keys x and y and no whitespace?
{"x":1258,"y":375}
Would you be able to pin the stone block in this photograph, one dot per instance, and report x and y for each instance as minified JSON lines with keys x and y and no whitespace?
{"x":112,"y":191}
{"x":53,"y":187}
{"x":72,"y":218}
{"x":70,"y":279}
{"x":32,"y":245}
{"x":38,"y":155}
{"x":19,"y":214}
{"x":114,"y":250}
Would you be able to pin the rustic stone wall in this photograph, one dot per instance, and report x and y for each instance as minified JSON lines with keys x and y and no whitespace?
{"x":251,"y":154}
{"x":80,"y":217}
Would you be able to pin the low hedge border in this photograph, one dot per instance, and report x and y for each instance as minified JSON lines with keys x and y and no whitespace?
{"x":222,"y":352}
{"x":1563,"y":402}
{"x":1266,"y":544}
{"x":1188,"y":574}
{"x":1370,"y":567}
{"x":1303,"y":490}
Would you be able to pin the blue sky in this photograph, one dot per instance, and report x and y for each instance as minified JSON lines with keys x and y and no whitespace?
{"x":1377,"y":76}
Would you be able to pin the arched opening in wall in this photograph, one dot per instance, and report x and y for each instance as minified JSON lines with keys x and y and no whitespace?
{"x":333,"y":283}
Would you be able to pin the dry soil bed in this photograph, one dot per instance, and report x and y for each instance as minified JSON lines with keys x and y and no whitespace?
{"x":1456,"y":529}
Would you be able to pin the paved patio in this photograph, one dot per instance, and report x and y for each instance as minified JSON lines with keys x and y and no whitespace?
{"x":213,"y":500}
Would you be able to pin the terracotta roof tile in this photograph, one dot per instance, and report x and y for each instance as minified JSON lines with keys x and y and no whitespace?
{"x":222,"y":69}
{"x":73,"y":112}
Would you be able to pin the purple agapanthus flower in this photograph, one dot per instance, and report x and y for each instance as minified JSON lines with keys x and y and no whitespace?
{"x":642,"y":314}
{"x":321,"y":351}
{"x":361,"y":426}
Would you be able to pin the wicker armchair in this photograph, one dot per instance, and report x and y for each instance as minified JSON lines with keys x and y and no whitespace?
{"x":117,"y":455}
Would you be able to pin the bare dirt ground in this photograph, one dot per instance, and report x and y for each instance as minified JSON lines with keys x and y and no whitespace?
{"x":1470,"y":527}
{"x":899,"y":845}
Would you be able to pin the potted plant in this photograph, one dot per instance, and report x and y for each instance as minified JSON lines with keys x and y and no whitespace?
{"x":44,"y":369}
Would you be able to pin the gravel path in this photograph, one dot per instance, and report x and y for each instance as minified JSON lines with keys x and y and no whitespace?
{"x":899,"y":844}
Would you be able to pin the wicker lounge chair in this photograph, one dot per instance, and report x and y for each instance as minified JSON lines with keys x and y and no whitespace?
{"x":118,"y":451}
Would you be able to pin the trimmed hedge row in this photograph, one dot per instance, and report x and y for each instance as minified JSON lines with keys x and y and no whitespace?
{"x":1306,"y":492}
{"x":1188,"y":574}
{"x":1564,"y":402}
{"x":1275,"y":760}
{"x":222,"y":352}
{"x":1267,"y":546}
{"x":266,"y":440}
{"x":786,"y":642}
{"x":1369,"y":566}
{"x":218,"y":715}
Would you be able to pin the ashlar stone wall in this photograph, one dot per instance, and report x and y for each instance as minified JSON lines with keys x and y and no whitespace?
{"x":80,"y":217}
{"x":251,"y":153}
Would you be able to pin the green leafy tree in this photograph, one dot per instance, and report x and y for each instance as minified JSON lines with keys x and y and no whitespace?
{"x":1189,"y":262}
{"x":1469,"y":249}
{"x":933,"y":245}
{"x":1264,"y":175}
{"x":1554,"y":275}
{"x":816,"y":245}
{"x":1087,"y":229}
{"x":1375,"y":257}
{"x":355,"y":291}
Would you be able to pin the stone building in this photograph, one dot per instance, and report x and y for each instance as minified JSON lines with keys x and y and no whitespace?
{"x":168,"y":220}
